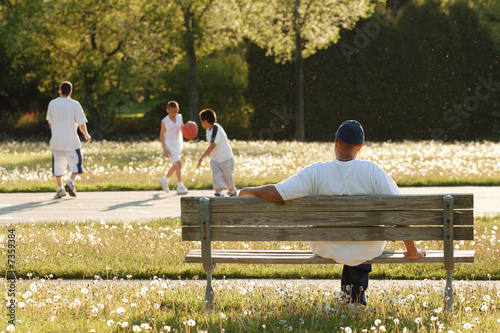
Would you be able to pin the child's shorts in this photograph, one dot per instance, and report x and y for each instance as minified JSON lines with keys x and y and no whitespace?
{"x":222,"y":174}
{"x":174,"y":152}
{"x":62,"y":158}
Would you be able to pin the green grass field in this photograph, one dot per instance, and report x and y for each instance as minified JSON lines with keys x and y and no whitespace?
{"x":96,"y":255}
{"x":99,"y":255}
{"x":27,"y":166}
{"x":145,"y":249}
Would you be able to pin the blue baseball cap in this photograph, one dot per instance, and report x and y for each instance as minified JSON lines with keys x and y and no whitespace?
{"x":351,"y":131}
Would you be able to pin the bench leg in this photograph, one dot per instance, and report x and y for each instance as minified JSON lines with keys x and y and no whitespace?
{"x":209,"y":294}
{"x":448,"y":293}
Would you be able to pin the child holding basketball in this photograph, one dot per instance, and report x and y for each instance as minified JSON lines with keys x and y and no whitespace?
{"x":221,"y":154}
{"x":171,"y":140}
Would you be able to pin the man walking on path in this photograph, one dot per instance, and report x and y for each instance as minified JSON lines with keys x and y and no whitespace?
{"x":65,"y":116}
{"x":346,"y":175}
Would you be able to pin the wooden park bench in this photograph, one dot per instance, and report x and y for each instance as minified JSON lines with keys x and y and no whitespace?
{"x":340,"y":218}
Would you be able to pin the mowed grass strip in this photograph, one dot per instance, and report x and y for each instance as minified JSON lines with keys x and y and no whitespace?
{"x":27,"y":166}
{"x":162,"y":305}
{"x":143,"y":249}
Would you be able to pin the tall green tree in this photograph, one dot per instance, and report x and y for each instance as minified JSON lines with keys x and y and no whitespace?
{"x":110,"y":49}
{"x":291,"y":30}
{"x":207,"y":26}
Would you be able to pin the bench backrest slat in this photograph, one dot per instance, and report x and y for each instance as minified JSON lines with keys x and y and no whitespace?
{"x":327,"y":234}
{"x":427,"y":217}
{"x":348,"y":218}
{"x":324,"y":203}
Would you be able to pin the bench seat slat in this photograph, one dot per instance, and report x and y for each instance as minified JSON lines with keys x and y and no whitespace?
{"x":307,"y":257}
{"x":341,"y":203}
{"x":246,"y":234}
{"x":427,"y":217}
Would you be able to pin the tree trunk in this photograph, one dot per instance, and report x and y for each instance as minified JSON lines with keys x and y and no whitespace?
{"x":190,"y":25}
{"x":299,"y":78}
{"x":193,"y":91}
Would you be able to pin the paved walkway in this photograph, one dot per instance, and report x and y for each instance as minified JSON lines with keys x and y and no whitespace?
{"x":137,"y":205}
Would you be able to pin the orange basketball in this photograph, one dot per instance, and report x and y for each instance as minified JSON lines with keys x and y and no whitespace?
{"x":190,"y":130}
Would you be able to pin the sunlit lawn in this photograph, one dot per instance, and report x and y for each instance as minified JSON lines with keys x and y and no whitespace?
{"x":100,"y":254}
{"x":136,"y":165}
{"x":162,"y":305}
{"x":154,"y":248}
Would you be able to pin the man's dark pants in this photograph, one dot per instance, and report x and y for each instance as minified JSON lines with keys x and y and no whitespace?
{"x":354,"y":282}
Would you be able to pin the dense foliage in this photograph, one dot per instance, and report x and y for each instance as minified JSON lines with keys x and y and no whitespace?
{"x":420,"y":75}
{"x":428,"y":70}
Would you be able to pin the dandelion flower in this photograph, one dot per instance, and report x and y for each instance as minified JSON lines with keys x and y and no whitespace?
{"x":136,"y":328}
{"x":125,"y":324}
{"x":21,"y":305}
{"x":191,"y":322}
{"x":378,"y":322}
{"x":167,"y":328}
{"x":111,"y":322}
{"x":120,"y":310}
{"x":347,"y":330}
{"x":84,"y":291}
{"x":133,"y":305}
{"x":10,"y":328}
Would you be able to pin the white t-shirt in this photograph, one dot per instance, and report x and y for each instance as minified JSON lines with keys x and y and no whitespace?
{"x":222,"y":151}
{"x":173,"y":132}
{"x":65,"y":115}
{"x":353,"y":177}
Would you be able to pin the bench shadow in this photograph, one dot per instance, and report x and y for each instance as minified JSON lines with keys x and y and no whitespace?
{"x":140,"y":203}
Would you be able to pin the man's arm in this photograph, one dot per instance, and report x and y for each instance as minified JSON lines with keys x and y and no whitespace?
{"x":83,"y":129}
{"x":412,"y":252}
{"x":206,"y":153}
{"x":268,"y":192}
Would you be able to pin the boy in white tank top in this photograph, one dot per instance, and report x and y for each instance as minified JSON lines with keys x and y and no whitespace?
{"x":171,"y":141}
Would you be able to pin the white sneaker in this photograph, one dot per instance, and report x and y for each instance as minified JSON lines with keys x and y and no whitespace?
{"x":70,"y":188}
{"x":181,"y":190}
{"x":219,"y":194}
{"x":164,"y":184}
{"x":60,"y":193}
{"x":231,"y":193}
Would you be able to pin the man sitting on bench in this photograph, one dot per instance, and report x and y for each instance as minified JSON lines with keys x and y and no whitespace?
{"x":346,"y":175}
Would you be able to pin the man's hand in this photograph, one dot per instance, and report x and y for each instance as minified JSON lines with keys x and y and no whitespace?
{"x":88,"y":137}
{"x":412,"y":252}
{"x":165,"y":153}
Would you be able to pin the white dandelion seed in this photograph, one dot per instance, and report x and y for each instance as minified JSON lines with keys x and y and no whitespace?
{"x":120,"y":310}
{"x":191,"y":322}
